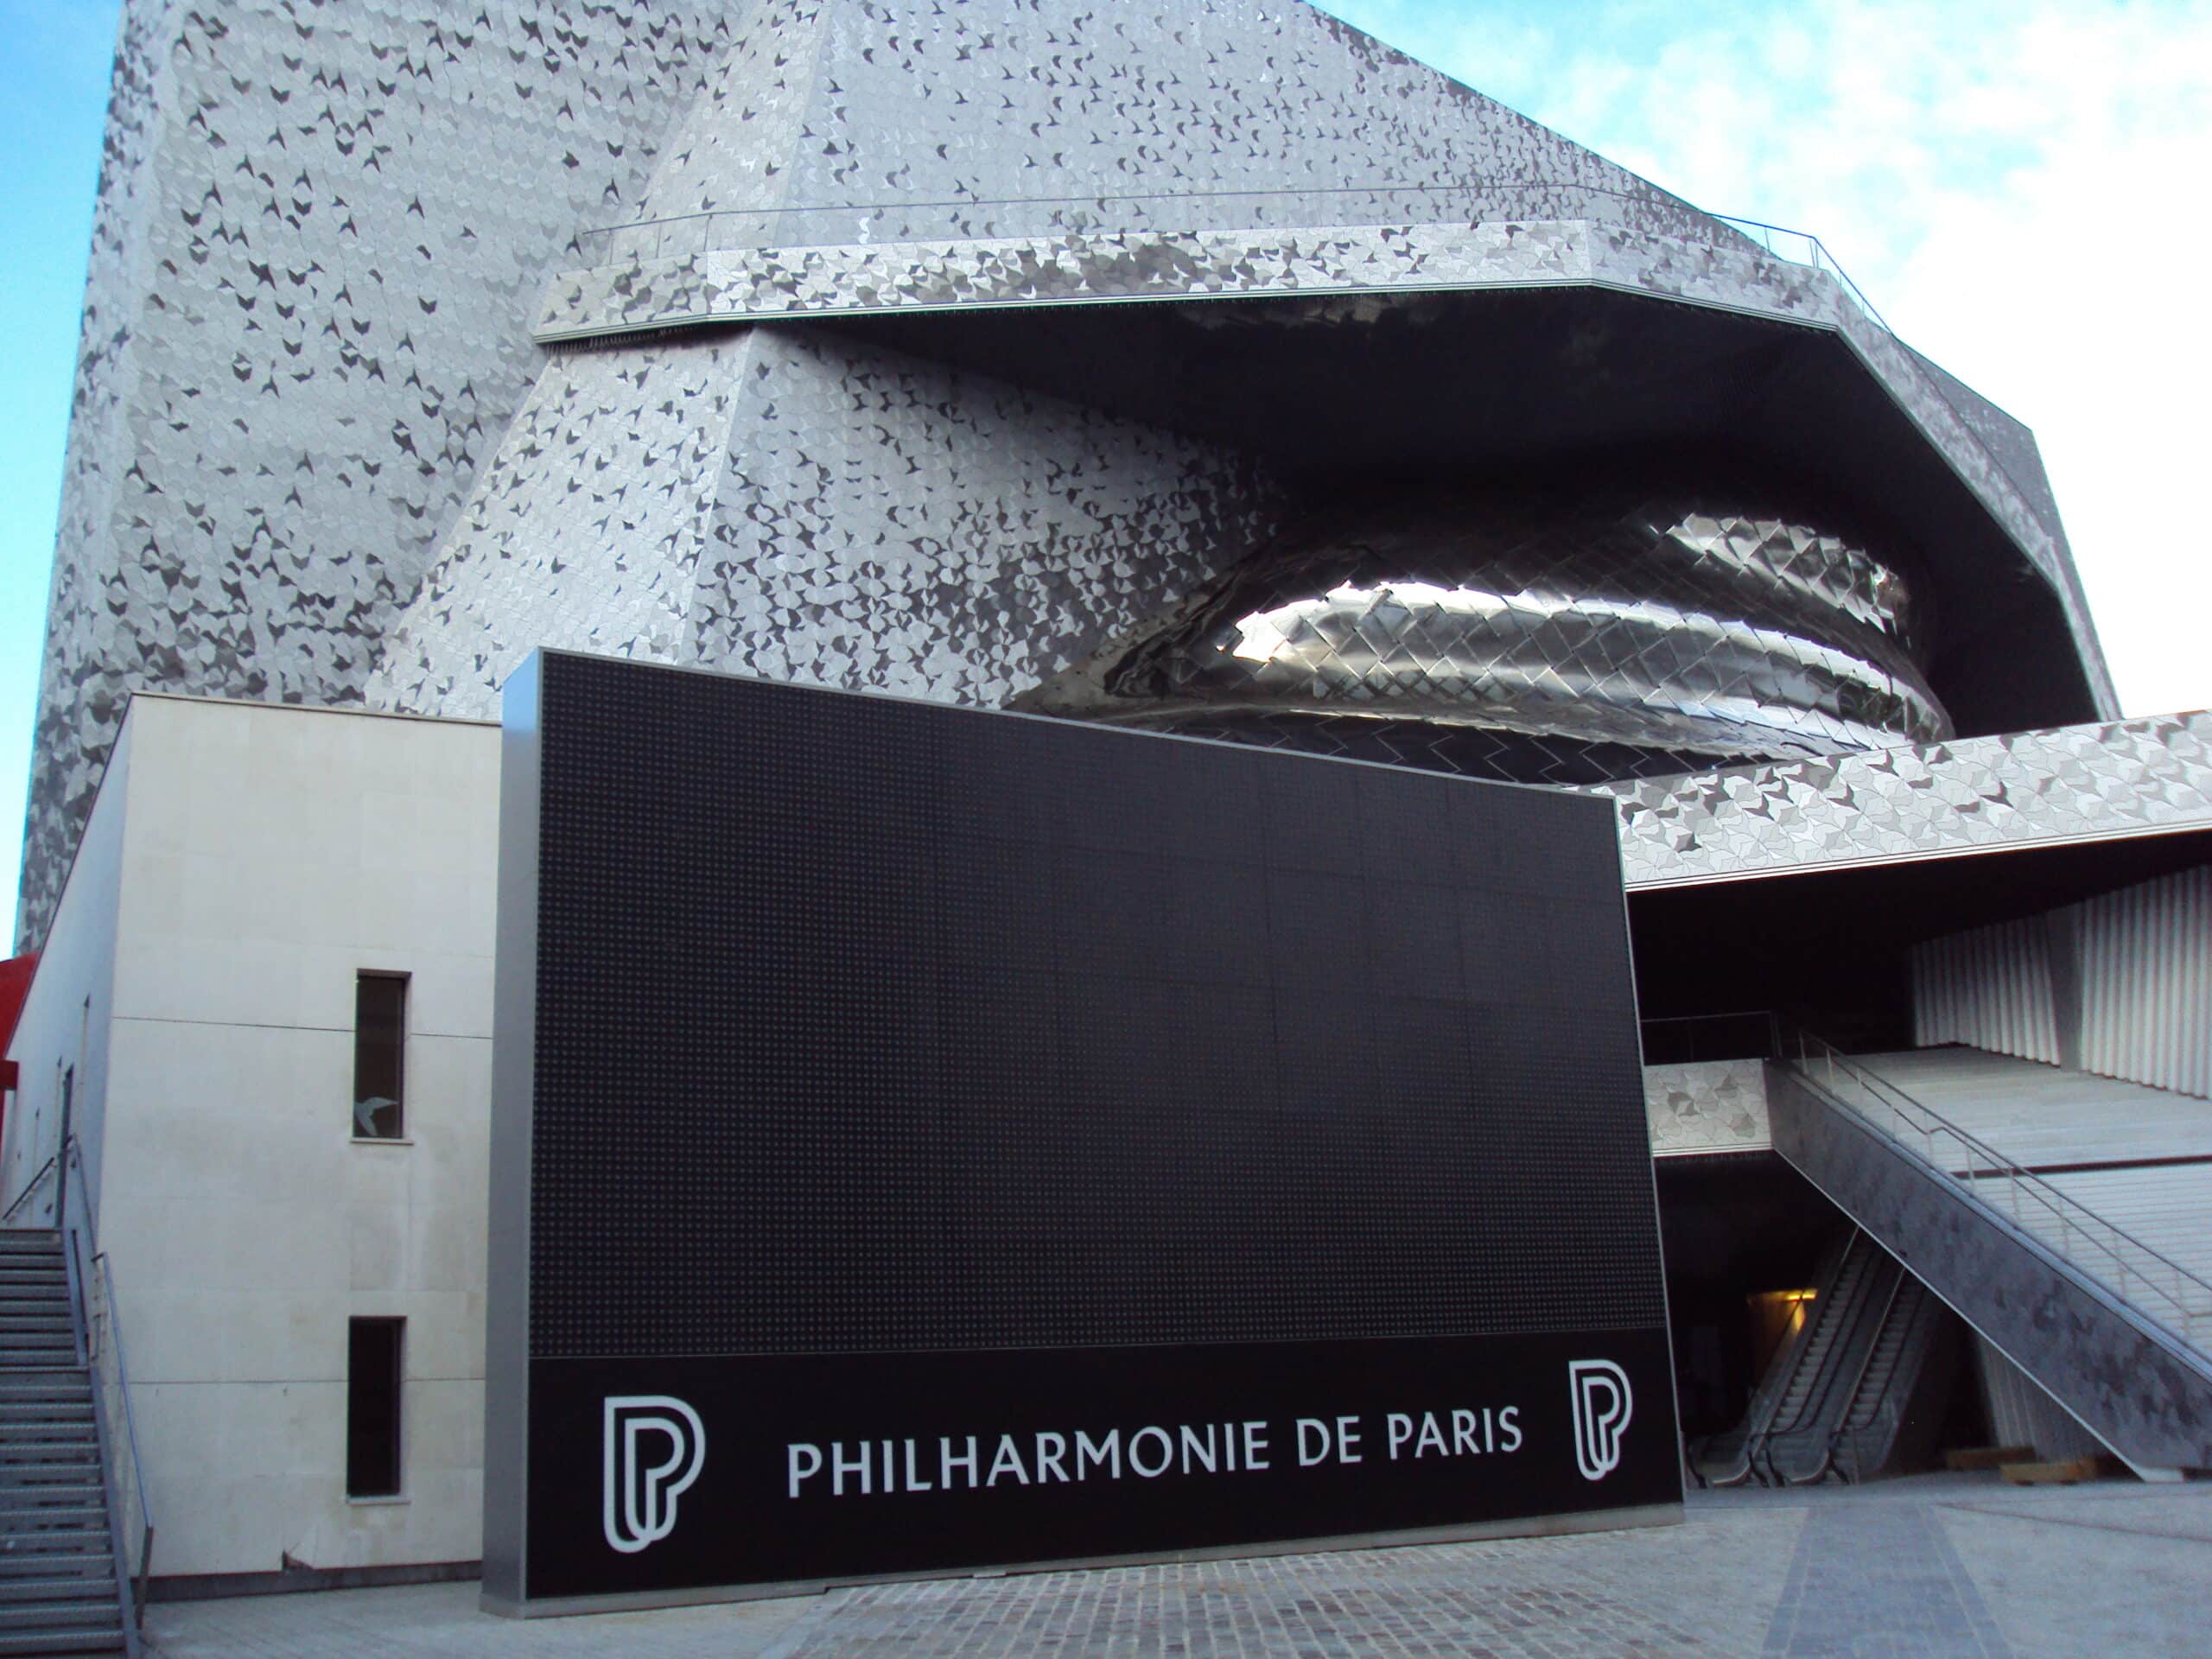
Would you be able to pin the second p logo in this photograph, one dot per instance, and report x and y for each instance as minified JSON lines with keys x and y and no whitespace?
{"x":654,"y":1448}
{"x":1602,"y":1406}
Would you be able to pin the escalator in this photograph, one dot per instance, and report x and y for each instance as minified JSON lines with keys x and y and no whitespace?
{"x":1843,"y":1395}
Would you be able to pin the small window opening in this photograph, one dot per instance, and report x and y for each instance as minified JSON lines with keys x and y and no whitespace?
{"x":373,"y":1376}
{"x":380,"y":1055}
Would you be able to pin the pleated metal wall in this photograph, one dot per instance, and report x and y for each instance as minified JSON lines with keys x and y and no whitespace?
{"x":2146,"y":983}
{"x":1991,"y":988}
{"x":2119,"y":985}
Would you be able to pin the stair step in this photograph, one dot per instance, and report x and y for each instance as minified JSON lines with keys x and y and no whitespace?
{"x":59,"y":1494}
{"x":76,"y":1587}
{"x":32,"y":1577}
{"x":48,"y":1554}
{"x":23,"y":1484}
{"x":17,"y":1519}
{"x":40,"y":1647}
{"x":44,"y":1450}
{"x":83,"y":1612}
{"x":28,"y":1476}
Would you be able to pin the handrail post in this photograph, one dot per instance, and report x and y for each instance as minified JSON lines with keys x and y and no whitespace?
{"x":61,"y":1167}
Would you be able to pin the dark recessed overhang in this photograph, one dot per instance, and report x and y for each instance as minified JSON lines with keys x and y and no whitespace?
{"x":1338,"y":394}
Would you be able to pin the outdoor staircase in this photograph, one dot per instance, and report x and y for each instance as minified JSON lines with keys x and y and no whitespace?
{"x":2112,"y":1321}
{"x":59,"y":1589}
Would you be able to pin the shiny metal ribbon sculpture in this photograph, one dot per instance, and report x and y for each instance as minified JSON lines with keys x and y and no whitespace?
{"x":1537,"y":639}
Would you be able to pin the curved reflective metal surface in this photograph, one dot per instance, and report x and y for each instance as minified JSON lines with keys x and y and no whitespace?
{"x":1536,"y":639}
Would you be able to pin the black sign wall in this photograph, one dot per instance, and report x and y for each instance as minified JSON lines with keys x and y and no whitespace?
{"x":926,"y":1139}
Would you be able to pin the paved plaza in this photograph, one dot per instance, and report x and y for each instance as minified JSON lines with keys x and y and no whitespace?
{"x":1937,"y":1566}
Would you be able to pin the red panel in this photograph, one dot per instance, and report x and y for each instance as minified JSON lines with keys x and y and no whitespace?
{"x":14,"y":986}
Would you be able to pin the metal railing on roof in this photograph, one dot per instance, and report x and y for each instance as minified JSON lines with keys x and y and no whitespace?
{"x":679,"y":235}
{"x":967,"y":217}
{"x":1803,"y":248}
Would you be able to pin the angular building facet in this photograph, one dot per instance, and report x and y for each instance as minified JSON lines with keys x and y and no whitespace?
{"x":952,"y":349}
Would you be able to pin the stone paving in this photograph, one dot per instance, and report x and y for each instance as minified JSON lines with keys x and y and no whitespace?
{"x":1931,"y":1568}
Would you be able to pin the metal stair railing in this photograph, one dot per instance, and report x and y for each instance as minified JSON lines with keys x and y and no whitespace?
{"x":2158,"y":1288}
{"x":100,"y":1336}
{"x":105,"y":1353}
{"x":29,"y":1188}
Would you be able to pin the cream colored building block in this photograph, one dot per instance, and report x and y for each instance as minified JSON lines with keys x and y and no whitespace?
{"x":244,"y":864}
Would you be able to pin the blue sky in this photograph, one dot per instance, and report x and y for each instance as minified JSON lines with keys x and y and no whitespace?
{"x":54,"y":76}
{"x":2017,"y":184}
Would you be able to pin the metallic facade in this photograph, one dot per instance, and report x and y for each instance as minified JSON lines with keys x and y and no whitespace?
{"x":319,"y":236}
{"x":1706,"y":1106}
{"x":788,"y":504}
{"x":1666,"y":625}
{"x":635,"y":283}
{"x":329,"y":446}
{"x":2081,"y":783}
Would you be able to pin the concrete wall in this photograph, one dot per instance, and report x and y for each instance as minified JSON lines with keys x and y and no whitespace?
{"x":64,"y":1026}
{"x":267,"y":856}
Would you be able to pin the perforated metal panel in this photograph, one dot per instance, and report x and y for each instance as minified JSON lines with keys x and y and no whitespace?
{"x":876,"y":1025}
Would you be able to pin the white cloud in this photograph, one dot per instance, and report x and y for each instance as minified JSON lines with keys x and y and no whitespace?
{"x":2019,"y":188}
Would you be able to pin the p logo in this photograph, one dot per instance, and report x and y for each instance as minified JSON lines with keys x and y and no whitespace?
{"x":1602,"y":1406}
{"x":654,"y":1448}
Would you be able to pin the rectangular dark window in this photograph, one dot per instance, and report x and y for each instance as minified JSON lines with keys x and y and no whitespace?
{"x":372,"y":1363}
{"x":380,"y":1055}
